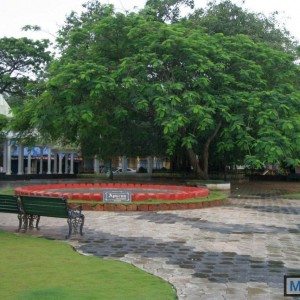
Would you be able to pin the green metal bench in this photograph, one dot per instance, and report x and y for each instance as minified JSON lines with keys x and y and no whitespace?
{"x":11,"y":204}
{"x":35,"y":207}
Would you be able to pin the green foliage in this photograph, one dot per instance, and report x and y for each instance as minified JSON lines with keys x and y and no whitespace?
{"x":166,"y":10}
{"x":3,"y":122}
{"x":85,"y":94}
{"x":7,"y":191}
{"x":31,"y":28}
{"x":3,"y":126}
{"x":294,"y":196}
{"x":20,"y":60}
{"x":234,"y":84}
{"x":133,"y":84}
{"x":230,"y":19}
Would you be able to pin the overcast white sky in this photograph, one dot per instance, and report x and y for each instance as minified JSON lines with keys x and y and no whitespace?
{"x":50,"y":14}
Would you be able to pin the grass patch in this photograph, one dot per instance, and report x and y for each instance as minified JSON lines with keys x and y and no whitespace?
{"x":214,"y":195}
{"x":7,"y":191}
{"x":204,"y":182}
{"x":36,"y":268}
{"x":294,"y":196}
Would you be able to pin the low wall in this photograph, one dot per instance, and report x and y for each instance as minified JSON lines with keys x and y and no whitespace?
{"x":14,"y":177}
{"x":211,"y":185}
{"x":219,"y":186}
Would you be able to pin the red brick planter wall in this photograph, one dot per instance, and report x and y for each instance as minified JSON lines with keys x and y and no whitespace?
{"x":152,"y":207}
{"x":174,"y":197}
{"x":172,"y":192}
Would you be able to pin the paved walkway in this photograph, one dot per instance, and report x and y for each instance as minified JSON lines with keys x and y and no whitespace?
{"x":239,"y":251}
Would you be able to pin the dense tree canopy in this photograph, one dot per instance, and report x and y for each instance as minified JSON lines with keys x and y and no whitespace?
{"x":230,"y":19}
{"x":85,"y":95}
{"x":21,"y":61}
{"x":133,"y":84}
{"x":212,"y":87}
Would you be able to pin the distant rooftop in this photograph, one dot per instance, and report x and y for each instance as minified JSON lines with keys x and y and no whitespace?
{"x":4,"y":107}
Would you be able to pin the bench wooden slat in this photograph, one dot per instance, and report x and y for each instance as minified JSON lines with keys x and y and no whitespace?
{"x":56,"y":208}
{"x":44,"y":200}
{"x":28,"y":207}
{"x":35,"y":207}
{"x":54,"y":205}
{"x":9,"y":206}
{"x":9,"y":203}
{"x":5,"y":200}
{"x":7,"y":210}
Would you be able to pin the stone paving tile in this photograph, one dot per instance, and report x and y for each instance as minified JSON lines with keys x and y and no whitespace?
{"x":239,"y":251}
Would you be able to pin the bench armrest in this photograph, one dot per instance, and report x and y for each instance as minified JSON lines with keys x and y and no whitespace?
{"x":74,"y":208}
{"x":77,"y":208}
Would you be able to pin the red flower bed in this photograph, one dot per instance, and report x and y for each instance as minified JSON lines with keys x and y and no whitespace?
{"x":94,"y":191}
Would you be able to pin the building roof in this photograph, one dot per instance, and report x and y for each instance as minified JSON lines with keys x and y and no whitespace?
{"x":36,"y":151}
{"x":4,"y":107}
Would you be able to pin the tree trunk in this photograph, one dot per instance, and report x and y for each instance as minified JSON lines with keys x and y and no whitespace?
{"x":195,"y":164}
{"x":206,"y":148}
{"x":203,"y":173}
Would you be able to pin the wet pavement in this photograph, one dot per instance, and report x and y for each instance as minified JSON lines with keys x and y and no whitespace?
{"x":238,"y":251}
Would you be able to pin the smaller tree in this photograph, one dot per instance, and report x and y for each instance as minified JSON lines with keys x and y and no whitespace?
{"x":21,"y":61}
{"x":230,"y":19}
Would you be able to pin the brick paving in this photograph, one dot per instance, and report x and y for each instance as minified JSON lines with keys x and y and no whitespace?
{"x":238,"y":251}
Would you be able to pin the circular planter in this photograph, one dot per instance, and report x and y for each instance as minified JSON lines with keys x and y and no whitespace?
{"x":163,"y":197}
{"x":94,"y":191}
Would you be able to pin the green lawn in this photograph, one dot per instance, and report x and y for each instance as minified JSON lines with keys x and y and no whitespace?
{"x":204,"y":182}
{"x":7,"y":191}
{"x":36,"y":268}
{"x":294,"y":196}
{"x":214,"y":195}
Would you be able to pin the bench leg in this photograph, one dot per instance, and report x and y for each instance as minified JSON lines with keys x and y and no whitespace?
{"x":37,"y":222}
{"x":25,"y":220}
{"x":31,"y":220}
{"x":74,"y":223}
{"x":81,"y":225}
{"x":20,"y":217}
{"x":70,"y":227}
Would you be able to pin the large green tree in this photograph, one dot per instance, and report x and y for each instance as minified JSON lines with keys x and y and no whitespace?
{"x":87,"y":102}
{"x":133,"y":84}
{"x":209,"y":89}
